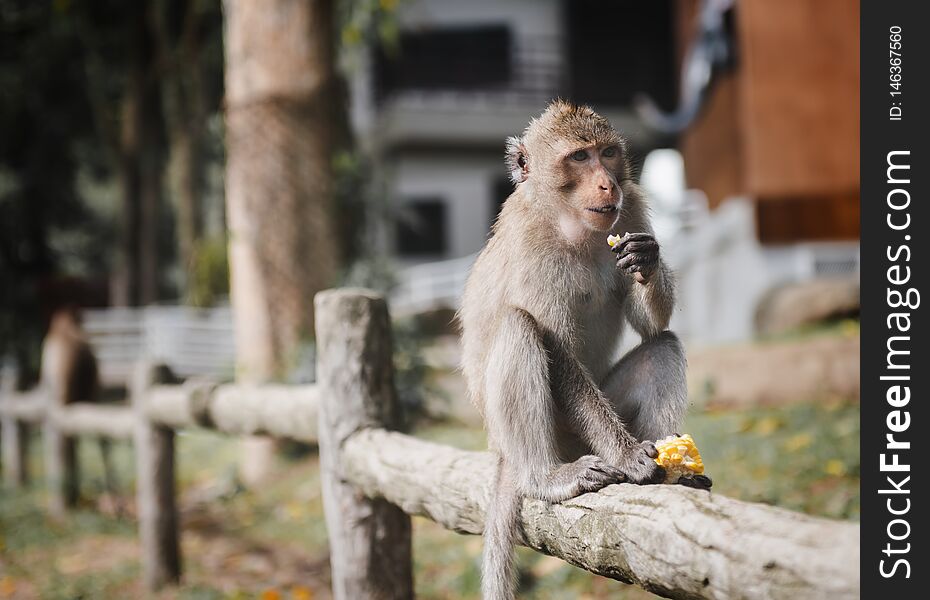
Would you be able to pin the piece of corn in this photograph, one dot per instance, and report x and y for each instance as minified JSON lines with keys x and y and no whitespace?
{"x":679,"y":456}
{"x":613,"y":240}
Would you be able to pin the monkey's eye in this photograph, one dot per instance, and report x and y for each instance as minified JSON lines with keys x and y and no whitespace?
{"x":580,"y":155}
{"x":609,"y":151}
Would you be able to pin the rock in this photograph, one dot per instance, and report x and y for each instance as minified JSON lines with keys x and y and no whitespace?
{"x":797,"y":304}
{"x":776,"y":372}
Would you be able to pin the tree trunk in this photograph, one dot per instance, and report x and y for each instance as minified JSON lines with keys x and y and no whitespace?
{"x":186,"y":114}
{"x":140,"y":169}
{"x":280,"y":109}
{"x":185,"y":179}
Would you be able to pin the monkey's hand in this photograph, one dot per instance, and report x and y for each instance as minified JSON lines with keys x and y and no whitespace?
{"x":639,"y":465}
{"x":638,"y":255}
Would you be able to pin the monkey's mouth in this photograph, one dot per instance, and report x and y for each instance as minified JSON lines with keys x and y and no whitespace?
{"x":609,"y":208}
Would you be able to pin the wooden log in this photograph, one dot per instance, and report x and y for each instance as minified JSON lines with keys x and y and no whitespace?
{"x":281,"y":411}
{"x":14,"y":436}
{"x":94,"y":419}
{"x":155,"y":488}
{"x":369,"y":538}
{"x":15,"y":452}
{"x":60,"y":456}
{"x":671,"y":540}
{"x":27,"y":407}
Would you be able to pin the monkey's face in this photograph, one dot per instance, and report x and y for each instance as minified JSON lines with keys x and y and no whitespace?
{"x":589,"y":183}
{"x":571,"y":156}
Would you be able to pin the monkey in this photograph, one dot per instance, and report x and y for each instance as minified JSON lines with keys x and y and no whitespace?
{"x":544,"y":308}
{"x":68,"y":362}
{"x":69,"y":371}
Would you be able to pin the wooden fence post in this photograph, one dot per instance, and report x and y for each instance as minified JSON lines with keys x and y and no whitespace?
{"x":369,"y":539}
{"x":60,"y":454}
{"x":14,"y":436}
{"x":155,"y":487}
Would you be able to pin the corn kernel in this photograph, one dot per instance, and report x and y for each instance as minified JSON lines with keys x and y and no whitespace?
{"x":679,"y":456}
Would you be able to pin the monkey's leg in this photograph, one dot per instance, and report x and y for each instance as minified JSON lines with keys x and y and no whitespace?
{"x":594,"y":419}
{"x":647,"y":387}
{"x":521,"y":419}
{"x":72,"y":485}
{"x":109,"y":476}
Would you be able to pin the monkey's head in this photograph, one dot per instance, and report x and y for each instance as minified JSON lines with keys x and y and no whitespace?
{"x":65,"y":320}
{"x":571,"y":156}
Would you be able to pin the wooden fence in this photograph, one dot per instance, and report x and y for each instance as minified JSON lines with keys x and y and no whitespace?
{"x":672,"y":540}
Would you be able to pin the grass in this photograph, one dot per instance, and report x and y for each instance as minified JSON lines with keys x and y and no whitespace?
{"x":272,"y":544}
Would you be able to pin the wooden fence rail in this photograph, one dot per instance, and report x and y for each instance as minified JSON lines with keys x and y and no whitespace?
{"x":674,"y":541}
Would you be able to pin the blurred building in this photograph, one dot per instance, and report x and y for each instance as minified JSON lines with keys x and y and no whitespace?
{"x":763,"y":193}
{"x":436,"y":108}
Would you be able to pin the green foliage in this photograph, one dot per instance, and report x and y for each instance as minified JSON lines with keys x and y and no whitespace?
{"x":846,"y":327}
{"x":209,"y":273}
{"x":411,"y":372}
{"x":352,"y":202}
{"x":367,"y":20}
{"x":804,"y":457}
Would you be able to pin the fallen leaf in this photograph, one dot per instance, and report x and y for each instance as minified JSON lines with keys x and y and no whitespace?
{"x":835,"y":467}
{"x":271,"y":594}
{"x":299,"y":592}
{"x":798,"y":442}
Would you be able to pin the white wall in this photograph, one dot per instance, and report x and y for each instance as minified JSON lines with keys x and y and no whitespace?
{"x":526,"y":17}
{"x":464,"y":183}
{"x":723,"y":272}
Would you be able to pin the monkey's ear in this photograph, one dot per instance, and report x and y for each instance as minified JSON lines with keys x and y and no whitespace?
{"x":516,"y":160}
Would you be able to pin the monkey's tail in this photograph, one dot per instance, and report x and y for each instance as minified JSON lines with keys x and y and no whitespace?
{"x":498,"y":570}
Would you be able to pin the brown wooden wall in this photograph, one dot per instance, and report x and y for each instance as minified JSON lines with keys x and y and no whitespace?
{"x":783,"y":128}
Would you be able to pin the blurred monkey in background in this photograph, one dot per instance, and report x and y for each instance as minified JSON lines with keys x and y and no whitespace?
{"x":69,"y":372}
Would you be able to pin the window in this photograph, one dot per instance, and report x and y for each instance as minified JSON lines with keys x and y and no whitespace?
{"x":618,"y":48}
{"x":461,"y":58}
{"x":421,"y":228}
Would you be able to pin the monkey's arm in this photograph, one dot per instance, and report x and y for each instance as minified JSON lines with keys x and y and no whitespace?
{"x":647,"y":282}
{"x":649,"y":305}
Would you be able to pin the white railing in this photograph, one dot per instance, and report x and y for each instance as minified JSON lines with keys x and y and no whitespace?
{"x":191,"y":341}
{"x":431,"y":285}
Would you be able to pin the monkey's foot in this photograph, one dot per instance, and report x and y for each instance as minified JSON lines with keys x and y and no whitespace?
{"x":594,"y":473}
{"x":587,"y":474}
{"x":700,"y":482}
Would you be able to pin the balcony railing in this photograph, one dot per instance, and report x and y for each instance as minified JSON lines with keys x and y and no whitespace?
{"x":536,"y":74}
